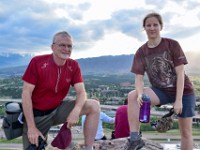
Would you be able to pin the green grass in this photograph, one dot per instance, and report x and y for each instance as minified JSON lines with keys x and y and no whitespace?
{"x":174,"y":135}
{"x":196,"y":131}
{"x":174,"y":132}
{"x":17,"y":140}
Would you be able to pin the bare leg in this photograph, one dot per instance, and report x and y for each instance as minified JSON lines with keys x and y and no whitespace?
{"x":185,"y":125}
{"x":92,"y":111}
{"x":133,"y":108}
{"x":133,"y":112}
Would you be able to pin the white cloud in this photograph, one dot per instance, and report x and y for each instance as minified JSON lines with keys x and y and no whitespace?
{"x":116,"y":44}
{"x":99,"y":27}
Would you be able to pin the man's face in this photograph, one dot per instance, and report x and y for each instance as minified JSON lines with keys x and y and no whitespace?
{"x":62,"y":47}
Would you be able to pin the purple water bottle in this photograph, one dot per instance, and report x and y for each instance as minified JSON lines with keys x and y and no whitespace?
{"x":145,"y":109}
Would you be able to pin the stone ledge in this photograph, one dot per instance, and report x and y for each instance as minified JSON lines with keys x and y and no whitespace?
{"x":118,"y":144}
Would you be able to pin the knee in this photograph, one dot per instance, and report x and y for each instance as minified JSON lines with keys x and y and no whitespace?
{"x":94,"y":106}
{"x":132,"y":97}
{"x":186,"y":133}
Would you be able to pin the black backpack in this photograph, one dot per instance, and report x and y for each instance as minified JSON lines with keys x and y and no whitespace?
{"x":12,"y":125}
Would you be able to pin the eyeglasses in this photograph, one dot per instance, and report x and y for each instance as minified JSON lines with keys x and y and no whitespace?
{"x":64,"y":45}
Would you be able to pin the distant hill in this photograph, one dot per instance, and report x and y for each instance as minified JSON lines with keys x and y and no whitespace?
{"x":13,"y":60}
{"x":96,"y":65}
{"x":12,"y":71}
{"x":121,"y":64}
{"x":106,"y":64}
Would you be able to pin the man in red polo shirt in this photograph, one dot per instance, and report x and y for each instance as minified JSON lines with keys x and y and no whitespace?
{"x":47,"y":80}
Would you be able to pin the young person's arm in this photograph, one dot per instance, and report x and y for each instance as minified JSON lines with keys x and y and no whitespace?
{"x":139,"y":85}
{"x":179,"y":89}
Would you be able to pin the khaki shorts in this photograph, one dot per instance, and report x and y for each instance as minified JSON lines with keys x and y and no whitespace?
{"x":44,"y":123}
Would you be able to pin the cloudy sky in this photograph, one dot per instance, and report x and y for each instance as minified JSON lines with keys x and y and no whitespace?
{"x":98,"y":27}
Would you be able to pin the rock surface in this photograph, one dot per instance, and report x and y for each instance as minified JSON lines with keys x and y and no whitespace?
{"x":118,"y":144}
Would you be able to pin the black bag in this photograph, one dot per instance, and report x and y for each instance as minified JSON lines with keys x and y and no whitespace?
{"x":11,"y":126}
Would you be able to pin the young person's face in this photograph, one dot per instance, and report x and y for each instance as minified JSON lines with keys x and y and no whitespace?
{"x":62,"y":47}
{"x":152,"y":27}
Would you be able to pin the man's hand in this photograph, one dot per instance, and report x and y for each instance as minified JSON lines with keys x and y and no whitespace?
{"x":73,"y":117}
{"x":33,"y":135}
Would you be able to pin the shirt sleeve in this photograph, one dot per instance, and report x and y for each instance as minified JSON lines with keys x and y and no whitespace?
{"x":138,"y":64}
{"x":107,"y":119}
{"x":179,"y":57}
{"x":77,"y":75}
{"x":31,"y":73}
{"x":83,"y":120}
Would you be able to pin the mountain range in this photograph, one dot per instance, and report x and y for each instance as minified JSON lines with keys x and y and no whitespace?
{"x":14,"y":60}
{"x":15,"y":64}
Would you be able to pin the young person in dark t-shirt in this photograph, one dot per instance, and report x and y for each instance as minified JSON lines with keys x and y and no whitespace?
{"x":46,"y":83}
{"x":163,"y":60}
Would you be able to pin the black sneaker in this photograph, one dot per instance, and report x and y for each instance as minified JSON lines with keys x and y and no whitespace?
{"x":134,"y":145}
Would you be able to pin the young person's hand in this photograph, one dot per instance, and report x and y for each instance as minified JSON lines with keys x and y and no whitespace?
{"x":178,"y":106}
{"x":139,"y":100}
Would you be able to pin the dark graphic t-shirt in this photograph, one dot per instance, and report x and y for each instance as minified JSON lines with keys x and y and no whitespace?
{"x":159,"y":63}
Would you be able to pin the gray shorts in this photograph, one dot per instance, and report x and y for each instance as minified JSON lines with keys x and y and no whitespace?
{"x":44,"y":123}
{"x":188,"y":102}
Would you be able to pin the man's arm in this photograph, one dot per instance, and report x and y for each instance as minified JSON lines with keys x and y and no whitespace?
{"x":32,"y":132}
{"x":81,"y":97}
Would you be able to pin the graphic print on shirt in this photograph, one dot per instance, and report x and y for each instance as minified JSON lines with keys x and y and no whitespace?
{"x":44,"y":65}
{"x":160,"y":69}
{"x":70,"y":68}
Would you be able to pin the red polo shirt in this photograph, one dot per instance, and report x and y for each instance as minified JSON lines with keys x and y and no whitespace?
{"x":51,"y":82}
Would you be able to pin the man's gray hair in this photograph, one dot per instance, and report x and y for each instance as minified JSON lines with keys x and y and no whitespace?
{"x":63,"y":33}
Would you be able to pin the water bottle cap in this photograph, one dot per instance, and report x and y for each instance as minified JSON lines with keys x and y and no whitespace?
{"x":145,"y":97}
